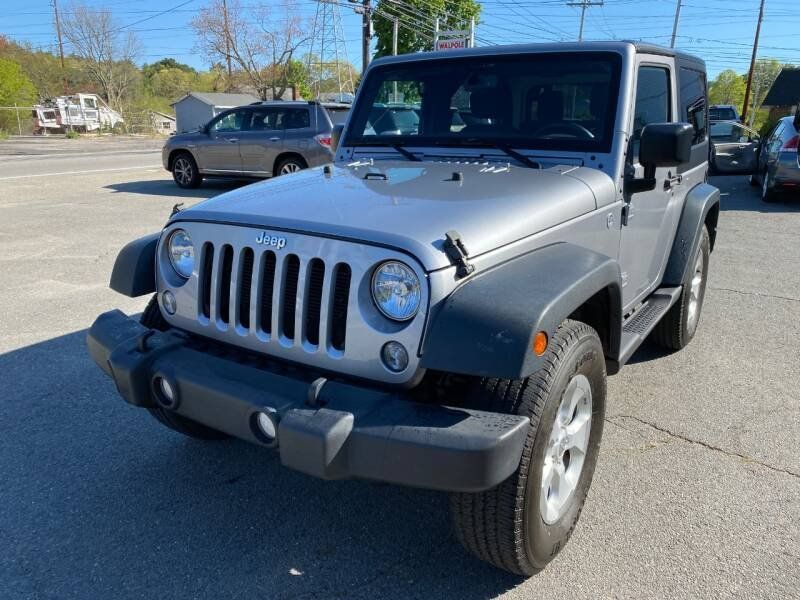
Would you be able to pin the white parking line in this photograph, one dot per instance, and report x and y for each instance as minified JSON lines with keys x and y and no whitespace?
{"x":151,"y":167}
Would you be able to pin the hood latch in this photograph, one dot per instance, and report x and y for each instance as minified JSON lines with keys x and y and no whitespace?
{"x":457,"y":253}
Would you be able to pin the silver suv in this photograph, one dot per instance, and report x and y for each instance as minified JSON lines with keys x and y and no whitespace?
{"x":261,"y":140}
{"x":440,"y":307}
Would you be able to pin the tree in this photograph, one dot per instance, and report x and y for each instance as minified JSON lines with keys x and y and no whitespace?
{"x":727,"y":88}
{"x":107,"y":51}
{"x":417,"y":19}
{"x":15,"y":88}
{"x":260,"y":43}
{"x":764,"y":74}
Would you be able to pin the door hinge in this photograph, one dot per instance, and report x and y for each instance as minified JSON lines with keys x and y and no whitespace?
{"x":627,"y":214}
{"x":457,"y":253}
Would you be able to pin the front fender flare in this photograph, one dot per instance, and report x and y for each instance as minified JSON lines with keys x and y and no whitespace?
{"x":486,"y":326}
{"x":134,"y":272}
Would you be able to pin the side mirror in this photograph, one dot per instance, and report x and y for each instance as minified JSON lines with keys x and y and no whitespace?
{"x":336,"y":136}
{"x":661,"y":145}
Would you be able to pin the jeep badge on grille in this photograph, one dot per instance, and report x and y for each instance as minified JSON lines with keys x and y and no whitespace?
{"x":271,"y":240}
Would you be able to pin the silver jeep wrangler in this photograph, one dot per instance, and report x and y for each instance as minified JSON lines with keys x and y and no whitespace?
{"x":440,"y":306}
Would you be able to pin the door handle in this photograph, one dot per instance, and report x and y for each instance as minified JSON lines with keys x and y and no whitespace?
{"x":233,"y":140}
{"x":274,"y":139}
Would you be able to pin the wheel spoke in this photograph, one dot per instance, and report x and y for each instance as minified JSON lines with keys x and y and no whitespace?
{"x":578,"y":433}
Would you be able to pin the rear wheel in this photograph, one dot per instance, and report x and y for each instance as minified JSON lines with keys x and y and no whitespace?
{"x":185,"y":171}
{"x":289,"y":165}
{"x":677,"y":328}
{"x":767,"y":191}
{"x":153,"y":319}
{"x":524,"y":522}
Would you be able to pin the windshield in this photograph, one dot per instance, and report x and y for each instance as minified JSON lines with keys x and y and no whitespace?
{"x":721,"y":114}
{"x":549,"y":101}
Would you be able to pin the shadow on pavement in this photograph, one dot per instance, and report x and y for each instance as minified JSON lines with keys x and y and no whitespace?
{"x":165,"y":187}
{"x":99,"y":500}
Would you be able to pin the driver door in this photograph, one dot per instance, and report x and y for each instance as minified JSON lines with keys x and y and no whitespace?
{"x":641,"y":245}
{"x":734,"y":148}
{"x":220,"y":152}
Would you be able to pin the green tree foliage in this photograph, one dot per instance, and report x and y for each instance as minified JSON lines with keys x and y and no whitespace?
{"x":417,"y":22}
{"x":15,"y":88}
{"x":727,"y":88}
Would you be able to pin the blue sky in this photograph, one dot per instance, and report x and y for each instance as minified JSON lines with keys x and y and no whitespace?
{"x":720,"y":31}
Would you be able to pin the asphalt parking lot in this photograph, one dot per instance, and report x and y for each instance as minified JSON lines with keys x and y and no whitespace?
{"x":696,"y":494}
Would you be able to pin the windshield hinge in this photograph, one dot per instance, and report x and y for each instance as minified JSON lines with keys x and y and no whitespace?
{"x":457,"y":253}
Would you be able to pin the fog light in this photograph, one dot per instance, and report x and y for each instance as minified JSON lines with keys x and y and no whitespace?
{"x":166,"y":395}
{"x":170,"y":304}
{"x":266,"y":425}
{"x":394,"y":356}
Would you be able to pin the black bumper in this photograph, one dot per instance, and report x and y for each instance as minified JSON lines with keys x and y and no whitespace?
{"x":330,"y":430}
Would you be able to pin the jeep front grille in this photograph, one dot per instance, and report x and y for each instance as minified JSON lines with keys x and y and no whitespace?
{"x":288,"y":293}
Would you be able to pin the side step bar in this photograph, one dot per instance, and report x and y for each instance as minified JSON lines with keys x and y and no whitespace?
{"x":639,"y":325}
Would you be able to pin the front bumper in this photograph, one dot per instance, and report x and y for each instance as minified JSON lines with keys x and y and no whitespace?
{"x":327,"y":429}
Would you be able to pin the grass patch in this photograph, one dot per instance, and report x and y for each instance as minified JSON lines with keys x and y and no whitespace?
{"x":72,"y":135}
{"x":3,"y":135}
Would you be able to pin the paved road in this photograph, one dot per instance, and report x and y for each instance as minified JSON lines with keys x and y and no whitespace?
{"x":696,"y":495}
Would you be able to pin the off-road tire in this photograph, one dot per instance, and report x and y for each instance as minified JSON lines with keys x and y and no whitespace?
{"x":298,"y":162}
{"x":184,"y":163}
{"x":504,"y":525}
{"x":674,"y":331}
{"x":153,"y":319}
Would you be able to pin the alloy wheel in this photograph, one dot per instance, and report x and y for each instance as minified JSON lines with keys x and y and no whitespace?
{"x":182,"y":169}
{"x":566,"y":449}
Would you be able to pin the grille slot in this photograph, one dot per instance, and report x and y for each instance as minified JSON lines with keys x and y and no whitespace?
{"x":316,"y":279}
{"x":301,"y":298}
{"x":341,"y":293}
{"x":267,"y":287}
{"x":224,"y":289}
{"x":245,"y":286}
{"x":205,"y":279}
{"x":289,"y":300}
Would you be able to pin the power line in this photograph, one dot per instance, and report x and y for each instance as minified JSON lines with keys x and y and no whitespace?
{"x":583,"y":5}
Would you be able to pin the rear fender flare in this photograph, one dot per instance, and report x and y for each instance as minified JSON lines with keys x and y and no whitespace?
{"x":700,"y":207}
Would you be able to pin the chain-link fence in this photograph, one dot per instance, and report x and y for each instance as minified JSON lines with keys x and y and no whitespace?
{"x":24,"y":120}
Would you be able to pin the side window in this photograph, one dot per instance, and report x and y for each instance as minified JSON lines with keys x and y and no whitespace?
{"x":296,"y":118}
{"x":229,"y":122}
{"x":692,"y":99}
{"x":263,"y":119}
{"x":652,"y":101}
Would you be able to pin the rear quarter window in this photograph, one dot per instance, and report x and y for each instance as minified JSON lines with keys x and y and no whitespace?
{"x":692,"y":98}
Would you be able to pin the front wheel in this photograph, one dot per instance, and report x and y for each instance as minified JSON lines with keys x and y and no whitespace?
{"x":185,"y":171}
{"x":767,"y":191}
{"x":524,"y":522}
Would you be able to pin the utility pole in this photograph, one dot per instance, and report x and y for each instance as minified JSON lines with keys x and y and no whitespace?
{"x":395,"y":28}
{"x":752,"y":63}
{"x":675,"y":25}
{"x":60,"y":44}
{"x":227,"y":40}
{"x":583,"y":5}
{"x":366,"y":34}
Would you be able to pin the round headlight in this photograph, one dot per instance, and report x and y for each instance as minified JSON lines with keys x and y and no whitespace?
{"x":396,"y":290}
{"x":181,"y":253}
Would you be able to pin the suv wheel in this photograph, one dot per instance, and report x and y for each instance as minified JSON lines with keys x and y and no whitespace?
{"x":677,"y":328}
{"x":152,"y":318}
{"x":185,"y":171}
{"x":767,"y":192}
{"x":290,"y":165}
{"x":524,"y":522}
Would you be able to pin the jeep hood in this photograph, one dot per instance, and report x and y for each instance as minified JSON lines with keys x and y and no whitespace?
{"x":410,"y":206}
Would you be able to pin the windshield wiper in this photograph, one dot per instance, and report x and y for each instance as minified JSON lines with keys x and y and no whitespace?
{"x":528,"y":162}
{"x":408,"y":154}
